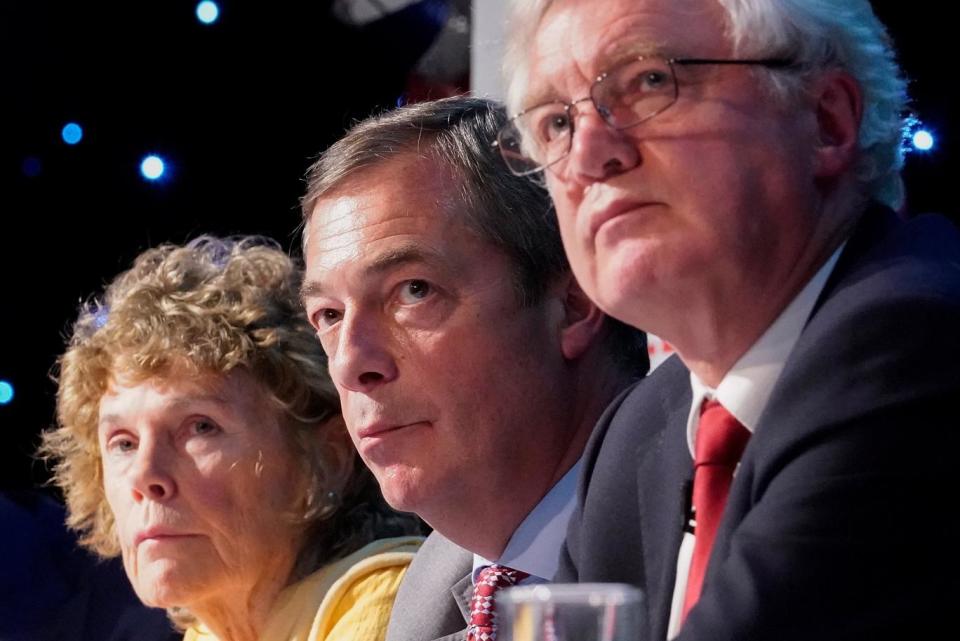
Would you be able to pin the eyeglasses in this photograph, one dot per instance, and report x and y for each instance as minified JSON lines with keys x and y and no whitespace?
{"x":624,"y":97}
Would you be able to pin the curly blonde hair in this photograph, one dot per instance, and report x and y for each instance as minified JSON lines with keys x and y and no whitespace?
{"x":213,"y":305}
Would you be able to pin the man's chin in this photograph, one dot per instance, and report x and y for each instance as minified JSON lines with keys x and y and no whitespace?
{"x":401,"y":487}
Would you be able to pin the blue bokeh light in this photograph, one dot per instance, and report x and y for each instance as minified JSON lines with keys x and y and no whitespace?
{"x":32,"y":167}
{"x":72,"y":133}
{"x":6,"y":392}
{"x":153,"y":167}
{"x":923,"y":140}
{"x":207,"y":12}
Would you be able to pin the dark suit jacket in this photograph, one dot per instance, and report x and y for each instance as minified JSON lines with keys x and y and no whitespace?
{"x":433,"y":602}
{"x":841,"y":522}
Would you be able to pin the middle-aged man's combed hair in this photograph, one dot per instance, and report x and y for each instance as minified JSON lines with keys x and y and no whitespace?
{"x":511,"y":213}
{"x":457,"y":132}
{"x":210,"y":306}
{"x":815,"y":35}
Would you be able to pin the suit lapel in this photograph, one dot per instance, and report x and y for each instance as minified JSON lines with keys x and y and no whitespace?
{"x":462,"y":592}
{"x":875,"y":224}
{"x":664,"y":471}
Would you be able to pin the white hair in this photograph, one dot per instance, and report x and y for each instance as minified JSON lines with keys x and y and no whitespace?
{"x":815,"y":35}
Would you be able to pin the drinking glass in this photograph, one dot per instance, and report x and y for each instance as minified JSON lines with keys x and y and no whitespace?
{"x":569,"y":612}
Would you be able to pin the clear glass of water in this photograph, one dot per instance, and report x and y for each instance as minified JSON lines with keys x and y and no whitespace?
{"x":570,"y":612}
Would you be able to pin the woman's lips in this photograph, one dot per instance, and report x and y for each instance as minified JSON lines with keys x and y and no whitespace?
{"x":160,"y":534}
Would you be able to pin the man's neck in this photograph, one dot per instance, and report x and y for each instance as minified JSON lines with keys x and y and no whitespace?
{"x":487,"y":529}
{"x":713,"y":332}
{"x":535,"y":545}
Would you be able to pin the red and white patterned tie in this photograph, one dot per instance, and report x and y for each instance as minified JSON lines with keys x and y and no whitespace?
{"x":483,"y":617}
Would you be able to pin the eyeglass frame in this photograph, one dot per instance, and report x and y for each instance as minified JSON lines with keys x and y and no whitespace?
{"x":771,"y":63}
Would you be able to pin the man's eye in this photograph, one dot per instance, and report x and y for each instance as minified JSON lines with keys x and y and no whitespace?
{"x":552,"y":126}
{"x":644,"y":81}
{"x":327,"y":317}
{"x":414,"y":291}
{"x":655,"y":79}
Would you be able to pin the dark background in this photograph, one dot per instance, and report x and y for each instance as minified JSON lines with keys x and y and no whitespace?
{"x":237,"y":109}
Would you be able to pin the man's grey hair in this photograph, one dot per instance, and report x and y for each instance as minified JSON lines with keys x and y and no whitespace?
{"x":816,"y":35}
{"x":509,"y":212}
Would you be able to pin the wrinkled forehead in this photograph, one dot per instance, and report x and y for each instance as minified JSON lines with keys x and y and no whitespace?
{"x":575,"y":41}
{"x":237,"y":392}
{"x":409,"y":194}
{"x":404,"y":212}
{"x":174,"y":380}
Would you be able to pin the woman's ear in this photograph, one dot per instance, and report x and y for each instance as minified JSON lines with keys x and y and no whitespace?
{"x":582,"y":320}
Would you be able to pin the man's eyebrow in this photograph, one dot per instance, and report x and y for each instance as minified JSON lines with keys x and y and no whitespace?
{"x":391,"y":259}
{"x":617,"y":54}
{"x":402,"y":255}
{"x":541,"y":96}
{"x":624,"y":50}
{"x":310,"y":289}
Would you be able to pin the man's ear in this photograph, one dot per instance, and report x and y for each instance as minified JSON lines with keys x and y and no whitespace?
{"x":582,"y":320}
{"x":838,"y":100}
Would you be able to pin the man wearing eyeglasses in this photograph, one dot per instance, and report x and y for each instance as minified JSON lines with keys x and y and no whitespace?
{"x":725,"y":174}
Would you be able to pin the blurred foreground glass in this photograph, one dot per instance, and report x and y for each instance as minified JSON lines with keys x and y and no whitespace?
{"x":570,"y":612}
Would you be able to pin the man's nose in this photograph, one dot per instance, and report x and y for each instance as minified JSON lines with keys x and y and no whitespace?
{"x":362,"y":359}
{"x":598,"y":151}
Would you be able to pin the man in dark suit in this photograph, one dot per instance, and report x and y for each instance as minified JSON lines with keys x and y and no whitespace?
{"x":470,"y":366}
{"x":725,"y":175}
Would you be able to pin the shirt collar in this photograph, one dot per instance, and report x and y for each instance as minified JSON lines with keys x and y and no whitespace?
{"x":745,"y":389}
{"x":535,"y":545}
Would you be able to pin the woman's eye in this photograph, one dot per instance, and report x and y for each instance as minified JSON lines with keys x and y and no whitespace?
{"x":203,"y":427}
{"x":121,"y":444}
{"x":414,"y":291}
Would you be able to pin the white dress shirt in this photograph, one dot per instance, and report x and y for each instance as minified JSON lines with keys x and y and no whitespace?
{"x":744,"y":392}
{"x":535,"y":546}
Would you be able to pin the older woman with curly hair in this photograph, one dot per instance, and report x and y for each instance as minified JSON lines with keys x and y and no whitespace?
{"x":199,"y":437}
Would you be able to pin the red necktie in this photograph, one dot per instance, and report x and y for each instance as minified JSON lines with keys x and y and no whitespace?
{"x":483,"y":623}
{"x":720,"y":442}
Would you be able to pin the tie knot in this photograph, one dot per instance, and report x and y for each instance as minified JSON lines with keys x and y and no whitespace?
{"x":721,"y":438}
{"x":499,"y":576}
{"x":493,"y":578}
